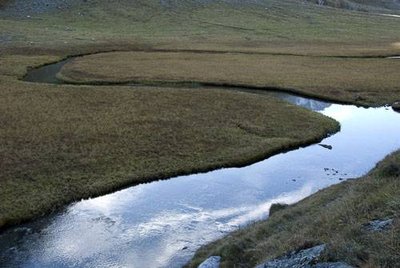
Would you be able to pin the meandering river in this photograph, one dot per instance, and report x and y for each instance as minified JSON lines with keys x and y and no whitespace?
{"x":161,"y":224}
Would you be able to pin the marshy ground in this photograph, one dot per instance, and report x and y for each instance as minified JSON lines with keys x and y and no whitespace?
{"x":60,"y":143}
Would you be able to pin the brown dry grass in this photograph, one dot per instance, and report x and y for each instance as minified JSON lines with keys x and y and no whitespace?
{"x":366,"y":81}
{"x":335,"y":216}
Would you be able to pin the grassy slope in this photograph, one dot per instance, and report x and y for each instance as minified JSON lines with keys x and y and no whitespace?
{"x":283,"y":26}
{"x":361,"y":81}
{"x":335,"y":216}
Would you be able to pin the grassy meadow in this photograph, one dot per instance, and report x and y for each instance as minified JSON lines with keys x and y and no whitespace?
{"x":61,"y":143}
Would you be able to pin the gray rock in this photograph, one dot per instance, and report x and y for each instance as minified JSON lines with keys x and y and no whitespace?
{"x":379,"y":225}
{"x":212,"y":262}
{"x":300,"y":259}
{"x":396,"y":106}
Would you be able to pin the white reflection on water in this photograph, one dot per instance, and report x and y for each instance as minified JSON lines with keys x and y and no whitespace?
{"x":166,"y":232}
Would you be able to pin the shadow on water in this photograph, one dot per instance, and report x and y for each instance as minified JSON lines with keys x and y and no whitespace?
{"x":161,"y":224}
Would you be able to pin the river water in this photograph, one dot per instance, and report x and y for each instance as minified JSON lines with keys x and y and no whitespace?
{"x":161,"y":224}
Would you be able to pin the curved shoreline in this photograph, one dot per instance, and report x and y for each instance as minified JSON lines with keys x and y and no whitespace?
{"x":56,"y":77}
{"x":167,"y":176}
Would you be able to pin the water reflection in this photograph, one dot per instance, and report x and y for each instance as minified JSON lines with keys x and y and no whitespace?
{"x":46,"y":74}
{"x":161,"y":224}
{"x":308,"y":103}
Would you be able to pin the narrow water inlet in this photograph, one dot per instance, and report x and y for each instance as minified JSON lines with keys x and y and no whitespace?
{"x":46,"y":73}
{"x":161,"y":224}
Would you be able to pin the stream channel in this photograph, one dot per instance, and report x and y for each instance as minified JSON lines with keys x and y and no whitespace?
{"x":161,"y":224}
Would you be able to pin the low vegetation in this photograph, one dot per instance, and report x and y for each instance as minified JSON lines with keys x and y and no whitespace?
{"x":337,"y":216}
{"x":362,"y":81}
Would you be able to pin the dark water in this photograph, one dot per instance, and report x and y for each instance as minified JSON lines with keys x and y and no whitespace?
{"x":161,"y":224}
{"x":46,"y":73}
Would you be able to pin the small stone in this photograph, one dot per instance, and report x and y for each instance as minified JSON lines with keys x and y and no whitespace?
{"x":379,"y":225}
{"x":212,"y":262}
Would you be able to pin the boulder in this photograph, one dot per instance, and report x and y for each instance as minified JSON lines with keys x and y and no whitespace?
{"x":296,"y":259}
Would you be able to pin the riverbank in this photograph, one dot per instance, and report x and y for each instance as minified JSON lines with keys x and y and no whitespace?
{"x":345,"y":217}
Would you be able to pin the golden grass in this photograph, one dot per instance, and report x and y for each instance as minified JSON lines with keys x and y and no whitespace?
{"x":335,"y":216}
{"x":366,"y":81}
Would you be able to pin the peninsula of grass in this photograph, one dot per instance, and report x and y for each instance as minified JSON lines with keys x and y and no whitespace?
{"x":365,"y":81}
{"x":64,"y":143}
{"x":337,"y":216}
